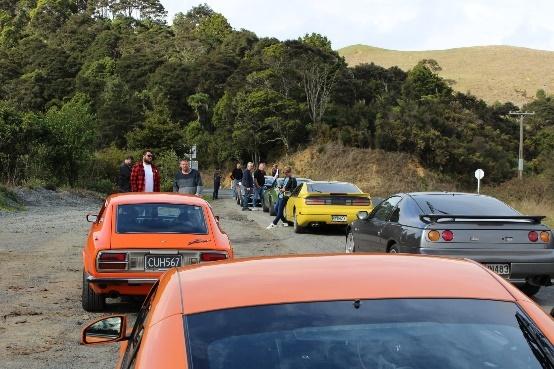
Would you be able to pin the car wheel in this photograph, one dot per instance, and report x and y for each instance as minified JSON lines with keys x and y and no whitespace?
{"x":529,"y":289}
{"x":265,"y":208}
{"x":92,"y":301}
{"x":271,"y":208}
{"x":349,"y":245}
{"x":393,"y":250}
{"x":297,"y":228}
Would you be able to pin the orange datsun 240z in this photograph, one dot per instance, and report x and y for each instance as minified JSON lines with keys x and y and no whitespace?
{"x":138,"y":236}
{"x":334,"y":312}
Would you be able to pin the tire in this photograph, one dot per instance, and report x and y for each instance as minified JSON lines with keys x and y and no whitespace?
{"x":91,"y":301}
{"x":297,"y":228}
{"x":264,"y":207}
{"x":271,"y":208}
{"x":393,"y":249}
{"x":529,"y":289}
{"x":349,"y":246}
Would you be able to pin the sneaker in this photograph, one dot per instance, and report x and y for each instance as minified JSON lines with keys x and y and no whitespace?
{"x":270,"y":226}
{"x":285,"y":224}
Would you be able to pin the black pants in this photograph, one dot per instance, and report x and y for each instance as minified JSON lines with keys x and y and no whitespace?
{"x":215,"y":195}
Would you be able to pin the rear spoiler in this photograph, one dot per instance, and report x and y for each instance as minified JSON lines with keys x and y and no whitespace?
{"x":436,"y":217}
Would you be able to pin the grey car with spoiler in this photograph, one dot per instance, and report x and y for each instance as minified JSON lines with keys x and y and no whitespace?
{"x":517,"y":247}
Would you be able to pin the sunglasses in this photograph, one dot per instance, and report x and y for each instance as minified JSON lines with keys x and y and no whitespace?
{"x":149,"y":156}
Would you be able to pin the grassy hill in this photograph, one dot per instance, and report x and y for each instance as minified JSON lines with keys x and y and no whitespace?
{"x":493,"y":73}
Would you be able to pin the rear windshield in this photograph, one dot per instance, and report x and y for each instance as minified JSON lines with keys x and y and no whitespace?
{"x":333,"y":188}
{"x":369,"y":334}
{"x":160,"y":218}
{"x":463,"y":205}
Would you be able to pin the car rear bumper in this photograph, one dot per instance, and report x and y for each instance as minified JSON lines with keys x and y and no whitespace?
{"x":523,"y":264}
{"x":121,"y":285}
{"x":309,"y":216}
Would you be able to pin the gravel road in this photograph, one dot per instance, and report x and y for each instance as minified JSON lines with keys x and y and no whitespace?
{"x":40,"y":268}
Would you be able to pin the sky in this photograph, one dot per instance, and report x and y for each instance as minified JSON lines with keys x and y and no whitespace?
{"x":392,"y":24}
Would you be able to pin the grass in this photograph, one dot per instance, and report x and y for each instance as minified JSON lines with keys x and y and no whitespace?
{"x":493,"y":73}
{"x":9,"y":200}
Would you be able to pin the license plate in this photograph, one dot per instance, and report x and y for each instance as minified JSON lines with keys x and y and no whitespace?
{"x":162,"y":262}
{"x":502,"y":269}
{"x":338,"y":218}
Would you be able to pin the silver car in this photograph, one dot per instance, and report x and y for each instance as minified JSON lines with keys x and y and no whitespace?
{"x":517,"y":247}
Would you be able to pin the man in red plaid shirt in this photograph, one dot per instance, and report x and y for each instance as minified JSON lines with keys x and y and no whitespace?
{"x":145,"y":176}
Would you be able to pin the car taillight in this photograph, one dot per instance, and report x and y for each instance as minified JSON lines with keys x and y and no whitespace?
{"x":112,"y":261}
{"x":212,"y":256}
{"x":545,"y":236}
{"x":447,"y":235}
{"x":433,"y":235}
{"x":533,"y":236}
{"x":315,"y":201}
{"x":360,"y":201}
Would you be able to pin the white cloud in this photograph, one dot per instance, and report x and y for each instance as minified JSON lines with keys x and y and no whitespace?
{"x":394,"y":24}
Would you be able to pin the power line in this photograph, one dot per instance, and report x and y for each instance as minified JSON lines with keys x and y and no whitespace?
{"x":521,"y":114}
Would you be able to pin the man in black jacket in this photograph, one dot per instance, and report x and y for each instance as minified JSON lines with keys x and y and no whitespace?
{"x":247,"y":185}
{"x":236,"y":177}
{"x":124,"y":181}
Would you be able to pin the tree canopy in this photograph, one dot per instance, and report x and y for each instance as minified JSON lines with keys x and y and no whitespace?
{"x":79,"y":78}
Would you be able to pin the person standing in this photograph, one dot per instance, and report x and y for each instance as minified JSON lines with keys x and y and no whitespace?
{"x":275,"y":171}
{"x":124,"y":181}
{"x":145,"y":176}
{"x":259,"y":182}
{"x":217,"y":184}
{"x":289,"y":184}
{"x":247,"y":185}
{"x":236,"y":177}
{"x":188,"y":180}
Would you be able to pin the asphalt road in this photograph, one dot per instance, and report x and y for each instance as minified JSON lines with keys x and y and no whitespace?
{"x":40,"y":269}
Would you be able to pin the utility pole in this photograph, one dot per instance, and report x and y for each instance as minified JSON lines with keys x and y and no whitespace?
{"x":521,"y":114}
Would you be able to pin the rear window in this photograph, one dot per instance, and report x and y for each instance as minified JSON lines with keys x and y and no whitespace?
{"x":463,"y":205}
{"x":368,"y":334}
{"x":333,"y":188}
{"x":160,"y":218}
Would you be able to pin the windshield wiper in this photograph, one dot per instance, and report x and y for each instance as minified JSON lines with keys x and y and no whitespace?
{"x":197,"y":240}
{"x":539,"y":344}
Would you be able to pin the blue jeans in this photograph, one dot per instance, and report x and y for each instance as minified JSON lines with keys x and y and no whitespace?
{"x":281,"y":202}
{"x":245,"y":197}
{"x":258,"y":195}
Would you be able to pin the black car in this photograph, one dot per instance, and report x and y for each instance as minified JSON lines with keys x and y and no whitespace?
{"x":517,"y":247}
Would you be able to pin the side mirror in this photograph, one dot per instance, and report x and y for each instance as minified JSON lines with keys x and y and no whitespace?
{"x":108,"y":329}
{"x":363,"y":215}
{"x":376,"y":201}
{"x":216,"y":218}
{"x":552,"y":312}
{"x":92,"y":218}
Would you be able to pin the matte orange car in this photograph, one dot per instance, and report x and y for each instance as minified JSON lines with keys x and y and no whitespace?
{"x":339,"y":311}
{"x":138,"y":236}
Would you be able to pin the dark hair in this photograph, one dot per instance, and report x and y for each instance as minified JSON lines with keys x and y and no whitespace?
{"x":147,"y":150}
{"x":129,"y":158}
{"x":184,"y":159}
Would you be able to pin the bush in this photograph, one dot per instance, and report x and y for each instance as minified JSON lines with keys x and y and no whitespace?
{"x":9,"y":200}
{"x":103,"y":186}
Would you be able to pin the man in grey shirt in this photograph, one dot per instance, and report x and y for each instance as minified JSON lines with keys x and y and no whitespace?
{"x":188,"y":180}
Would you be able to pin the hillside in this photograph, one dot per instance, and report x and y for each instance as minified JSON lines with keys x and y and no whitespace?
{"x":493,"y":73}
{"x":376,"y":172}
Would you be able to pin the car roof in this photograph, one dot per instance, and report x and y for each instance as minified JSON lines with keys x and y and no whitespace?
{"x":339,"y":182}
{"x":290,"y":279}
{"x":155,"y":197}
{"x":445,"y":193}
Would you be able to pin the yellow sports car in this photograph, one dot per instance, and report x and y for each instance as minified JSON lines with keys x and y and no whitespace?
{"x":318,"y":202}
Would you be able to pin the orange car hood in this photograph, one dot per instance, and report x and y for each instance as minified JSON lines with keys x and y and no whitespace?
{"x":160,"y":240}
